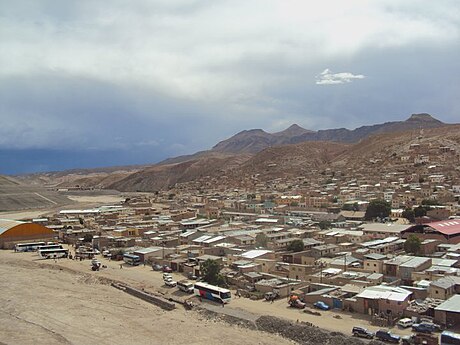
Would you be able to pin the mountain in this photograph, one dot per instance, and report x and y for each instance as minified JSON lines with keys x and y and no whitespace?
{"x":255,"y":140}
{"x":163,"y":176}
{"x":371,"y":157}
{"x":294,"y":151}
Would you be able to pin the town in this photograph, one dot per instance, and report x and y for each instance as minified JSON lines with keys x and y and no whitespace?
{"x":384,"y":247}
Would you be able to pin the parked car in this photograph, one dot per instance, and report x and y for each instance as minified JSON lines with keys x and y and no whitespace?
{"x":424,"y":327}
{"x":362,"y":332}
{"x":170,"y":283}
{"x":167,"y":269}
{"x":167,"y":276}
{"x":191,"y":276}
{"x":404,"y":323}
{"x":157,"y":267}
{"x":321,"y":305}
{"x":387,"y":336}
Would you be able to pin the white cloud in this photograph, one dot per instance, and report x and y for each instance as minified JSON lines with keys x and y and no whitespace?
{"x":326,"y":77}
{"x":209,"y":52}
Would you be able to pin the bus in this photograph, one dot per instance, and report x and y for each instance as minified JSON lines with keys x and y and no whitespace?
{"x":132,"y":259}
{"x":185,"y":286}
{"x":50,"y":246}
{"x":53,"y":253}
{"x":450,"y":338}
{"x":212,"y":292}
{"x":28,"y":247}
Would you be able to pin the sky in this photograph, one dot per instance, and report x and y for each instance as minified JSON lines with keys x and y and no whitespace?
{"x":92,"y":83}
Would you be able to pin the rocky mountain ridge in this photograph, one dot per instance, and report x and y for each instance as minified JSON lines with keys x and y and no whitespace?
{"x":255,"y":140}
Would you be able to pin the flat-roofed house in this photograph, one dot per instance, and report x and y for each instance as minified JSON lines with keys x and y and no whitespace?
{"x":385,"y":299}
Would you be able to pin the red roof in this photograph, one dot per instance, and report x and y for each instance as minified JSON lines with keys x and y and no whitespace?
{"x":446,"y":227}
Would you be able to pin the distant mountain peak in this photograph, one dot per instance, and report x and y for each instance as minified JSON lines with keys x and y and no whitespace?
{"x":422,"y":117}
{"x":293,"y":130}
{"x":255,"y":140}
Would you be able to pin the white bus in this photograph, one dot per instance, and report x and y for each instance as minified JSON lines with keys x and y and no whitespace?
{"x":132,"y":259}
{"x":53,"y":253}
{"x":50,"y":246}
{"x":185,"y":286}
{"x":28,"y":247}
{"x":212,"y":292}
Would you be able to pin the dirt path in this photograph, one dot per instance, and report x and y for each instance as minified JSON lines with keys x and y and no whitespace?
{"x":42,"y":304}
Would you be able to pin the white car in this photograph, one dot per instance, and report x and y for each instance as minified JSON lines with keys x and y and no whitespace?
{"x":170,"y":283}
{"x":406,"y":322}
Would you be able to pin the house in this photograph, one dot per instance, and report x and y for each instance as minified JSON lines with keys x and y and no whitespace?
{"x":374,"y":262}
{"x":415,"y":264}
{"x":448,"y":313}
{"x":384,"y":299}
{"x":445,"y":287}
{"x":447,"y":231}
{"x":379,"y":230}
{"x":324,"y":250}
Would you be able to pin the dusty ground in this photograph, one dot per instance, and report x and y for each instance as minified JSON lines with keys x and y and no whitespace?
{"x":104,"y":199}
{"x":73,"y":302}
{"x":43,"y":304}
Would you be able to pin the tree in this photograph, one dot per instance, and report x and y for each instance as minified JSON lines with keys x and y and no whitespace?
{"x":412,"y":244}
{"x":377,"y":209}
{"x":261,"y":240}
{"x":210,"y":270}
{"x":324,"y":224}
{"x":419,"y":211}
{"x":409,"y":214}
{"x":296,"y":246}
{"x":87,"y":238}
{"x":350,"y":207}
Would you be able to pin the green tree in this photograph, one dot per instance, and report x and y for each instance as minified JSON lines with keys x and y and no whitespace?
{"x":409,"y":214}
{"x":261,"y":240}
{"x":296,"y":246}
{"x":420,"y":211}
{"x":87,"y":238}
{"x":210,"y":271}
{"x":412,"y":244}
{"x":377,"y":209}
{"x":324,"y":224}
{"x":430,"y":202}
{"x":350,"y":207}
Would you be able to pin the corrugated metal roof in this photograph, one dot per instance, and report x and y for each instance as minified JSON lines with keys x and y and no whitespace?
{"x":451,"y":305}
{"x":7,"y":224}
{"x":385,"y":292}
{"x":446,"y":227}
{"x":252,"y":254}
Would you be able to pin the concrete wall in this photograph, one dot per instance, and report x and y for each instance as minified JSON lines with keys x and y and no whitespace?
{"x":158,"y":301}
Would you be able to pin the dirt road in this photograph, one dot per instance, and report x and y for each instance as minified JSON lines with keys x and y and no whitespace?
{"x":43,"y":303}
{"x":144,"y":277}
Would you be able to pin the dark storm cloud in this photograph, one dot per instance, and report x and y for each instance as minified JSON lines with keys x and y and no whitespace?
{"x":138,"y":82}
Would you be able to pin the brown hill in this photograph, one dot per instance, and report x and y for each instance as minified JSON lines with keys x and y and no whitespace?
{"x":164,"y":176}
{"x":15,"y":195}
{"x":256,"y":140}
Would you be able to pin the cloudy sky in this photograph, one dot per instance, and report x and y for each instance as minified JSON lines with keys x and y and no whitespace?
{"x":95,"y":83}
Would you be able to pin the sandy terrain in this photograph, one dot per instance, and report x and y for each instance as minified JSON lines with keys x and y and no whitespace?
{"x":103,"y":199}
{"x":42,"y":304}
{"x":96,"y":311}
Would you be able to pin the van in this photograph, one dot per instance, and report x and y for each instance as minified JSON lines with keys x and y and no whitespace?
{"x":404,"y":323}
